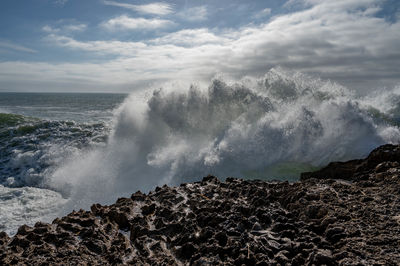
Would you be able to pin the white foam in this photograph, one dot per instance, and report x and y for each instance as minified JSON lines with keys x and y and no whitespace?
{"x":228,"y":129}
{"x":27,"y":205}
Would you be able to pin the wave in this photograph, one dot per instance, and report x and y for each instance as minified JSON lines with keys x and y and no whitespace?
{"x":283,"y":120}
{"x":31,"y":148}
{"x":27,"y":205}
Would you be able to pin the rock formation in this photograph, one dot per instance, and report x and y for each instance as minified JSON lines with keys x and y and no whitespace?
{"x":344,"y":214}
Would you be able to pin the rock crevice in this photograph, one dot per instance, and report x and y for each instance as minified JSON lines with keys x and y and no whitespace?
{"x":344,"y":214}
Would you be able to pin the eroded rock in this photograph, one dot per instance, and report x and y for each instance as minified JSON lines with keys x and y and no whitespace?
{"x":318,"y":221}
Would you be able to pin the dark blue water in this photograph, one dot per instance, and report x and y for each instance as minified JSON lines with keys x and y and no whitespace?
{"x":78,"y":107}
{"x":38,"y":133}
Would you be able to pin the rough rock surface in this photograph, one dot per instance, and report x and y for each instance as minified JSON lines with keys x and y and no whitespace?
{"x":320,"y":221}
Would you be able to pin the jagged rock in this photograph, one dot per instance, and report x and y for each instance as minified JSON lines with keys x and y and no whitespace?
{"x":138,"y":196}
{"x":317,"y":221}
{"x":379,"y":160}
{"x":322,"y":257}
{"x":4,"y":238}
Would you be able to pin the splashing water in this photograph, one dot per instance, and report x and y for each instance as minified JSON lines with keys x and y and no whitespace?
{"x":241,"y":129}
{"x":269,"y":128}
{"x":31,"y":148}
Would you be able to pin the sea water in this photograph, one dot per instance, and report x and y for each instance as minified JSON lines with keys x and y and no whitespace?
{"x":61,"y":152}
{"x":38,"y":132}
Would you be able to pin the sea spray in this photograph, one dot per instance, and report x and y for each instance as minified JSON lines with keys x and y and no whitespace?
{"x":227,"y":129}
{"x":30,"y":151}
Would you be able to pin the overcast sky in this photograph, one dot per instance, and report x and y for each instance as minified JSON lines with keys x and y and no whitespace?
{"x":125,"y":45}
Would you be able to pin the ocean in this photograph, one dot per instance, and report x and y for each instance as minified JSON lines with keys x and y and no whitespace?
{"x":38,"y":131}
{"x":66,"y":151}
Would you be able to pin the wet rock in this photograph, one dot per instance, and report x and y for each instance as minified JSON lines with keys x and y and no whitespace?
{"x":210,"y":179}
{"x":148,"y":209}
{"x":378,"y":160}
{"x":4,"y":238}
{"x":186,"y":251}
{"x":137,"y":231}
{"x":222,"y":238}
{"x":316,"y":211}
{"x":334,"y":234}
{"x":96,"y":209}
{"x":95,"y":246}
{"x":281,"y":258}
{"x":318,"y":221}
{"x":120,"y":218}
{"x":20,"y":242}
{"x":322,"y":257}
{"x":138,"y":196}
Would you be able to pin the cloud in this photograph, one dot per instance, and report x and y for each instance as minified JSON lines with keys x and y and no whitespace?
{"x":127,"y":23}
{"x":263,"y":13}
{"x":157,"y":8}
{"x":198,"y":13}
{"x":295,"y":4}
{"x":68,"y":28}
{"x":15,"y":47}
{"x":101,"y":47}
{"x":190,"y":37}
{"x":50,"y":29}
{"x":75,"y":27}
{"x":341,"y":40}
{"x":60,"y":2}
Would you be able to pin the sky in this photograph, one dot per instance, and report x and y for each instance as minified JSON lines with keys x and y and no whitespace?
{"x":128,"y":45}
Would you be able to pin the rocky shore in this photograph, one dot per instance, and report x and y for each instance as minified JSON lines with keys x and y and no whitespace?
{"x":345,"y":214}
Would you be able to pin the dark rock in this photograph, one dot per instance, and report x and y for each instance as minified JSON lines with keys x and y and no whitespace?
{"x":95,"y":246}
{"x":4,"y":238}
{"x":222,"y":238}
{"x":138,"y":196}
{"x":96,"y":209}
{"x":318,"y":221}
{"x":120,"y":218}
{"x":137,"y":231}
{"x":322,"y":257}
{"x":148,"y":209}
{"x":349,"y":170}
{"x":334,"y":234}
{"x":187,"y":251}
{"x":210,"y":178}
{"x":281,"y":259}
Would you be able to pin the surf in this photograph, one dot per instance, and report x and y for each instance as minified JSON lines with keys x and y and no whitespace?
{"x":243,"y":129}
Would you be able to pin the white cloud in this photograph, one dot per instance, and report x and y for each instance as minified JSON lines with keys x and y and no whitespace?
{"x":15,"y":47}
{"x":60,"y":2}
{"x":333,"y":39}
{"x":50,"y":29}
{"x":157,"y":8}
{"x":101,"y":47}
{"x":294,"y":3}
{"x":198,"y":13}
{"x":127,"y":23}
{"x":75,"y":27}
{"x":65,"y":28}
{"x":266,"y":12}
{"x":191,"y":37}
{"x":263,"y":13}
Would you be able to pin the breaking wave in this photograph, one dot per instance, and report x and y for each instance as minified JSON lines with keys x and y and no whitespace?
{"x":30,"y":151}
{"x":31,"y":148}
{"x":252,"y":128}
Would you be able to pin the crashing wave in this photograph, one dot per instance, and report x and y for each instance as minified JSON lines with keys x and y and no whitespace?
{"x":229,"y":129}
{"x":31,"y":148}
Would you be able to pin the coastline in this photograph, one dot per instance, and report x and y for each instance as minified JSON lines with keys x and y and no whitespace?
{"x":345,"y":213}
